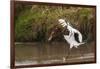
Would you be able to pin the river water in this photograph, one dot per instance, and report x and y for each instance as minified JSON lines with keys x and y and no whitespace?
{"x":56,"y":52}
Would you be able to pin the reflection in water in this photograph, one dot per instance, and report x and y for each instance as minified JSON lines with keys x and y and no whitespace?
{"x":40,"y":53}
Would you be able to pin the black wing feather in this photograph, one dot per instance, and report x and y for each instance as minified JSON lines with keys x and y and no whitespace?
{"x":76,"y":37}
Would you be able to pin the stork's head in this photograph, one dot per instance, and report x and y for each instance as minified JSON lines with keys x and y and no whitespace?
{"x":63,"y":22}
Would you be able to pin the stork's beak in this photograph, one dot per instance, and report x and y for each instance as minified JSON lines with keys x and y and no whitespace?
{"x":50,"y":38}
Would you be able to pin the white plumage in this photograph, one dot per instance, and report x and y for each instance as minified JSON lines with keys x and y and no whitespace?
{"x":70,"y":38}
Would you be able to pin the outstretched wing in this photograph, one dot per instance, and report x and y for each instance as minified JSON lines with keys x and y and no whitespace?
{"x":80,"y":36}
{"x":77,"y":35}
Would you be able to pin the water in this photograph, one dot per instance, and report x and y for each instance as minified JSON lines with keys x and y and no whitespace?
{"x":48,"y":53}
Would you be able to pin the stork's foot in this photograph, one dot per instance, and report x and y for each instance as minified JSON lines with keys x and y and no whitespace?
{"x":64,"y":59}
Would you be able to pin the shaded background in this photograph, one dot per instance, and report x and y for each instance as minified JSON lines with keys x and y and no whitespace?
{"x":34,"y":22}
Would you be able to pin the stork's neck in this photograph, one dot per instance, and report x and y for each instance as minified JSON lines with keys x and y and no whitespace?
{"x":69,"y":27}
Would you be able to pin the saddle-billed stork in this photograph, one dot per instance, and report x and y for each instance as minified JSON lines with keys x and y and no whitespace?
{"x":75,"y":37}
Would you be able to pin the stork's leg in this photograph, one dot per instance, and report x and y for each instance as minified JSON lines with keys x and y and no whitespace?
{"x":64,"y":56}
{"x":68,"y":54}
{"x":69,"y":51}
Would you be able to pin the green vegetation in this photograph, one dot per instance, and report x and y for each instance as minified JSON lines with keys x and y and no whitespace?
{"x":33,"y":22}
